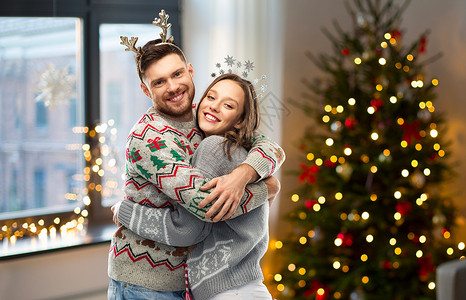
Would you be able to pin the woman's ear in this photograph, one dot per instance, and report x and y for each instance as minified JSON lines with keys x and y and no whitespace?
{"x":238,"y":125}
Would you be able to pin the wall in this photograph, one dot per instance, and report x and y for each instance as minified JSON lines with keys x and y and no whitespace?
{"x":74,"y":274}
{"x":447,"y":22}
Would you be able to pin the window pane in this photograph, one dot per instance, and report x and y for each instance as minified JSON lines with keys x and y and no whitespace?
{"x":122,"y":101}
{"x":40,"y":107}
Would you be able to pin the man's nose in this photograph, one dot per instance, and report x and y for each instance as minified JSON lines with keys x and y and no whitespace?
{"x":172,"y":86}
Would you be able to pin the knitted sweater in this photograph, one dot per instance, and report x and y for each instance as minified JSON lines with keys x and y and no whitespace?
{"x":227,"y":253}
{"x":159,"y":174}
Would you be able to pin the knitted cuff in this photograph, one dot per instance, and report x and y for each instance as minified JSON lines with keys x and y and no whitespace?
{"x":260,"y":163}
{"x":125,"y":212}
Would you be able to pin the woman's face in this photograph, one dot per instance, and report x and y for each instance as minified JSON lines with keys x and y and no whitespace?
{"x":221,"y":109}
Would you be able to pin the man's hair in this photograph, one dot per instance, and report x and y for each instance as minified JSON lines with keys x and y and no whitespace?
{"x":152,"y":52}
{"x":249,"y":120}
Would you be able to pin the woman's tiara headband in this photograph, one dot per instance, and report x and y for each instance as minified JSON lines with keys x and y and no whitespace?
{"x":161,"y":22}
{"x":242,"y":69}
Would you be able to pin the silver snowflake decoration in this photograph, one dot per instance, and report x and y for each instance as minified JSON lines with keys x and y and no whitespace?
{"x":230,"y":61}
{"x":55,"y":86}
{"x":248,"y":66}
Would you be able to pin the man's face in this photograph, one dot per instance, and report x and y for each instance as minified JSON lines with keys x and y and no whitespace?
{"x":169,"y":83}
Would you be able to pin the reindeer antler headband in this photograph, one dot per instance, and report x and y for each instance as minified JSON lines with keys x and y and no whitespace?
{"x":161,"y":22}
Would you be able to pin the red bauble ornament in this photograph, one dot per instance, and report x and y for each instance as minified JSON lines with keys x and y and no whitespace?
{"x":411,"y":131}
{"x":403,"y":208}
{"x":308,"y":173}
{"x":350,"y":123}
{"x":425,"y":266}
{"x":315,"y":286}
{"x":376,"y":104}
{"x":328,"y":163}
{"x":396,"y":34}
{"x":309,"y":203}
{"x":386,"y":265}
{"x":422,"y":44}
{"x":346,"y":239}
{"x":345,"y":51}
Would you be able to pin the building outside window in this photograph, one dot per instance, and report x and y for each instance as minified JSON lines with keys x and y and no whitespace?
{"x":69,"y":95}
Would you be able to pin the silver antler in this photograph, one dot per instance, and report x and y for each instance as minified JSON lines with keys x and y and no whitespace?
{"x":163,"y":23}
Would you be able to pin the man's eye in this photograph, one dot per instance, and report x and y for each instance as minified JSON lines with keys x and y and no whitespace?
{"x":177,"y":74}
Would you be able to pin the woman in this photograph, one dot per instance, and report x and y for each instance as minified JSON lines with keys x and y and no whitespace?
{"x":224,"y":261}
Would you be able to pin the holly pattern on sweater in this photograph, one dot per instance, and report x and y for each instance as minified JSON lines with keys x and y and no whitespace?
{"x":158,"y":174}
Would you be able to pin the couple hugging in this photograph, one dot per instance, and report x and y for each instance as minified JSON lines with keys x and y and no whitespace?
{"x":194,"y":221}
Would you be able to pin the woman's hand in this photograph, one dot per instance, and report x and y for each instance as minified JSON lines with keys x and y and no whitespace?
{"x":115,"y":208}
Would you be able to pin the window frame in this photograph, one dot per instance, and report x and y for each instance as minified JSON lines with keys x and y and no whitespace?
{"x":93,"y":13}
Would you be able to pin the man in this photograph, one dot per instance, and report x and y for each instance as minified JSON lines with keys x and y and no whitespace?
{"x":159,"y":174}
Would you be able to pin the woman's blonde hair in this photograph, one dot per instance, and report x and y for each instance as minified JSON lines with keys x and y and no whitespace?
{"x":249,"y":120}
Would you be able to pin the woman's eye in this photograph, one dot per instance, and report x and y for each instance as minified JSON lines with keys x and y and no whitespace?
{"x":228,"y":106}
{"x":210,"y":97}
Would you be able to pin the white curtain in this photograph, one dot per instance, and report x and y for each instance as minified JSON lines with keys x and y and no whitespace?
{"x":247,"y":30}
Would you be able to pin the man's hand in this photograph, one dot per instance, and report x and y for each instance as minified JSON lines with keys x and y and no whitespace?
{"x":115,"y":209}
{"x":273,"y":188}
{"x":228,"y":190}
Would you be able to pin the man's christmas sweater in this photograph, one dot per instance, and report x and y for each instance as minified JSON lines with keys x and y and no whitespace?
{"x":159,"y":174}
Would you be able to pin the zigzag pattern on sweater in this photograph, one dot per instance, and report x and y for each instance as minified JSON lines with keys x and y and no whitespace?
{"x":164,"y":130}
{"x":136,"y":184}
{"x":144,"y":256}
{"x":244,"y":205}
{"x":268,"y":157}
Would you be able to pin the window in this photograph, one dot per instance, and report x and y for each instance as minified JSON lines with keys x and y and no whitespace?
{"x":69,"y":95}
{"x":122,"y":101}
{"x":41,"y":60}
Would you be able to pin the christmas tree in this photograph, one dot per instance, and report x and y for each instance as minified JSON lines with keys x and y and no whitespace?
{"x":371,"y":220}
